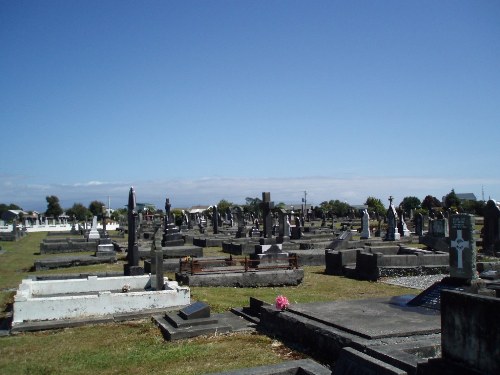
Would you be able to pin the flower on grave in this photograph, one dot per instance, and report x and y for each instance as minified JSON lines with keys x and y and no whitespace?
{"x":126,"y":288}
{"x":282,"y":303}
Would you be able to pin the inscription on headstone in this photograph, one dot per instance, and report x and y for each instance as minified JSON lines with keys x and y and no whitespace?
{"x":462,"y":247}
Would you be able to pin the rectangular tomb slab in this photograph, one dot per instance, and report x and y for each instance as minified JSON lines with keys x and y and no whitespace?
{"x":372,"y":318}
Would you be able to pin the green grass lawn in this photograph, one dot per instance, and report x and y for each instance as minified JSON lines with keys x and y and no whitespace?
{"x":138,"y":347}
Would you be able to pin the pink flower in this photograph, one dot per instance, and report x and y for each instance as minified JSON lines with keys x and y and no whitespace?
{"x":282,"y":303}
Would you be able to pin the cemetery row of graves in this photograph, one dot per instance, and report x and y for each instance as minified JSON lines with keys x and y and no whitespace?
{"x":446,"y":325}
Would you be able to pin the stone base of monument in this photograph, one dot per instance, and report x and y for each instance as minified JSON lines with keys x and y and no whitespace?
{"x":300,"y":366}
{"x":250,"y":279}
{"x":196,"y":320}
{"x":175,"y":251}
{"x":74,"y":261}
{"x":92,"y":298}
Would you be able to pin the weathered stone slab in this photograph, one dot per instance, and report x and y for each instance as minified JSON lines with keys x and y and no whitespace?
{"x":352,"y":361}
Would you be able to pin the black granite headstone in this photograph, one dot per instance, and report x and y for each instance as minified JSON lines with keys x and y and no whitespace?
{"x":195,"y":310}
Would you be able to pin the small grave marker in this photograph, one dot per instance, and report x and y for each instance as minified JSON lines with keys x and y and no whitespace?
{"x":195,"y":311}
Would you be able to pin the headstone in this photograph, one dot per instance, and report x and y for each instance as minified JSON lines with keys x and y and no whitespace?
{"x":195,"y":310}
{"x":94,"y":233}
{"x":392,"y":219}
{"x":365,"y":232}
{"x":491,"y":228}
{"x":402,"y":228}
{"x":439,"y":227}
{"x":268,"y":218}
{"x":419,"y":224}
{"x":215,"y":219}
{"x":171,"y":233}
{"x":132,"y":267}
{"x":462,"y":247}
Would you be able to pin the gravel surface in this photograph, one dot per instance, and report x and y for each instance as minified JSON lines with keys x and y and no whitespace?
{"x":416,"y":282}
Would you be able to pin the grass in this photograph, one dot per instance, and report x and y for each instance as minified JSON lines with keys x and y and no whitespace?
{"x":138,"y":347}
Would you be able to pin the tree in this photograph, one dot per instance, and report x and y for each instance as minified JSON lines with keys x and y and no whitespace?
{"x":79,"y":211}
{"x":53,"y":207}
{"x":430,"y":202}
{"x":223,"y":205}
{"x":340,"y":209}
{"x":95,"y":208}
{"x":410,"y":203}
{"x":120,"y":214}
{"x":253,"y":205}
{"x":473,"y":207}
{"x":375,"y":205}
{"x":451,"y":200}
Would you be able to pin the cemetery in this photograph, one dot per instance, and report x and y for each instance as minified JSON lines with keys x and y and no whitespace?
{"x":450,"y":326}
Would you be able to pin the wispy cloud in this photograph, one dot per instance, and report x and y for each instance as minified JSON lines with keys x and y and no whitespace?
{"x":209,"y":190}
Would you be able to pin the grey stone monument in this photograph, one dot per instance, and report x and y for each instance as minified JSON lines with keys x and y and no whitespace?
{"x":365,"y":232}
{"x":94,"y":233}
{"x":462,"y":247}
{"x":267,"y":206}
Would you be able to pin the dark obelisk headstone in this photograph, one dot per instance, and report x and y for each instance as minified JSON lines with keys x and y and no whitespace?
{"x":462,"y":247}
{"x":419,"y":224}
{"x":491,"y":236}
{"x":215,"y":219}
{"x":132,"y":267}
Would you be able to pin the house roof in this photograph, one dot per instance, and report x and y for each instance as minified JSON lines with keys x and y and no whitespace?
{"x":466,"y":196}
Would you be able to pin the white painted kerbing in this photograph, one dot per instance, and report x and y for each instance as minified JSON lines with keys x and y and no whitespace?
{"x":92,"y":297}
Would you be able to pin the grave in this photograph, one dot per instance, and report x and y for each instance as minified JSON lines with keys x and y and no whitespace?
{"x":132,"y":267}
{"x":365,"y":227}
{"x":463,"y":248}
{"x":171,"y":233}
{"x":392,"y":233}
{"x":491,"y":228}
{"x":94,"y":234}
{"x":44,"y":301}
{"x":195,"y":320}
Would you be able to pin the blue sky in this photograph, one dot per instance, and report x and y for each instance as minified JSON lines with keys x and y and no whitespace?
{"x":207,"y":100}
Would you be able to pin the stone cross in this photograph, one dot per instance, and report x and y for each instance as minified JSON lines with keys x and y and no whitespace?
{"x":460,"y":245}
{"x":267,"y":206}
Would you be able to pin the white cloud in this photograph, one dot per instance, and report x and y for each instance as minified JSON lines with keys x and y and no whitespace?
{"x":207,"y":190}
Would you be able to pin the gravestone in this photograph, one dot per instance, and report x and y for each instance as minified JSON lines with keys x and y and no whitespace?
{"x":392,"y":220}
{"x":267,"y":206}
{"x":215,"y":219}
{"x":402,"y":228}
{"x":419,"y":224}
{"x":365,"y":221}
{"x":491,"y":234}
{"x":171,"y":233}
{"x":439,"y":227}
{"x":195,"y":310}
{"x":132,"y":267}
{"x":94,"y":233}
{"x":462,"y":247}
